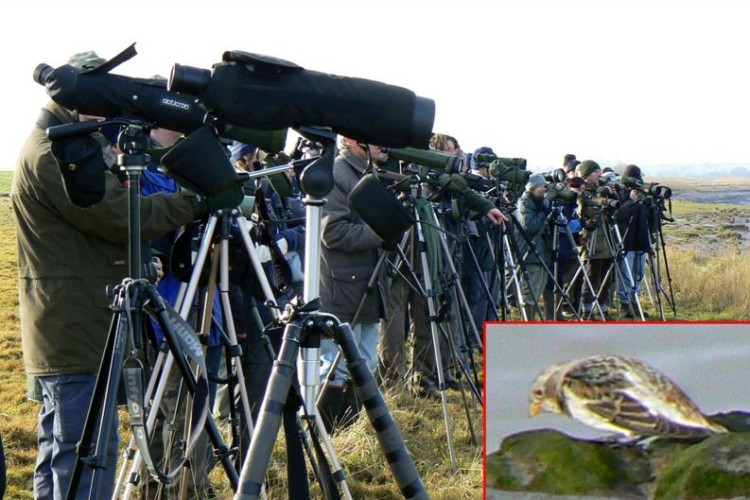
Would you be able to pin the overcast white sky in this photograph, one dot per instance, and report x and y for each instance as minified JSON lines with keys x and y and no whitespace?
{"x":639,"y":81}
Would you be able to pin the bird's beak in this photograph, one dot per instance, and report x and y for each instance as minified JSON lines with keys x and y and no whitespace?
{"x":535,"y":408}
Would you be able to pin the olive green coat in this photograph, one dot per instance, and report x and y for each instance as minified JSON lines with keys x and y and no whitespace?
{"x":596,"y":223}
{"x":67,"y":256}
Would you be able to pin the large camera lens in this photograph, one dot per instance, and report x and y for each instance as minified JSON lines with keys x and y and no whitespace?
{"x":188,"y":79}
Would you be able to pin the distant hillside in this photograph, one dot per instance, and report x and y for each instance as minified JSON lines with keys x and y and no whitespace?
{"x":699,"y":171}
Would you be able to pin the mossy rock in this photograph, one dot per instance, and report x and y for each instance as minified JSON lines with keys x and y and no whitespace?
{"x":548,"y":461}
{"x":719,"y":467}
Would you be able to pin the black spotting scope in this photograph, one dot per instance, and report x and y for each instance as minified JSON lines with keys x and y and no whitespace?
{"x":261,"y":92}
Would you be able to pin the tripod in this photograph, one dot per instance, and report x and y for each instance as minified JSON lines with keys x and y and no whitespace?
{"x":304,"y":326}
{"x":522,"y":262}
{"x":216,"y":227}
{"x":621,"y":262}
{"x":560,"y":223}
{"x":656,"y":216}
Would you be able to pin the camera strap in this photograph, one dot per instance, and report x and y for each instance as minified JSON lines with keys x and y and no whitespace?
{"x":187,"y":346}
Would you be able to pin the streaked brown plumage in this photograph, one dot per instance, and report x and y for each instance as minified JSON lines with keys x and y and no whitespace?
{"x":619,"y":394}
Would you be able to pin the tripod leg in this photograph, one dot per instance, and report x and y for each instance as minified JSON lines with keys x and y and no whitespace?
{"x":515,"y":282}
{"x":104,"y":394}
{"x":657,"y":285}
{"x":431,"y":311}
{"x":528,"y":288}
{"x":269,"y":418}
{"x":391,"y":443}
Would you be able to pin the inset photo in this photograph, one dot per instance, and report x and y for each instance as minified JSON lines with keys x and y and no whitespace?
{"x":616,"y":410}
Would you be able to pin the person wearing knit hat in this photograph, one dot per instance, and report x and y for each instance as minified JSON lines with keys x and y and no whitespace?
{"x":595,"y":243}
{"x":533,"y":209}
{"x":535,"y":181}
{"x":588,"y":167}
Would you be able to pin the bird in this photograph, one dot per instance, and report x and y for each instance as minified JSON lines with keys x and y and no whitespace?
{"x":619,"y":394}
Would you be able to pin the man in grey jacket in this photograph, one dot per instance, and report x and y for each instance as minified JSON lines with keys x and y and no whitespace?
{"x":349,"y":255}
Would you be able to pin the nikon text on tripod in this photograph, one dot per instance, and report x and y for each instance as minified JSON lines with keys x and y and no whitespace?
{"x":262,"y":92}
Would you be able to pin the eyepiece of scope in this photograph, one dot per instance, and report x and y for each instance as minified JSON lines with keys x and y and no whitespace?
{"x":42,"y":72}
{"x":188,"y":79}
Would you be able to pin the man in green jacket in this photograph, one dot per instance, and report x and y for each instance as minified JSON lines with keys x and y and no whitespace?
{"x":67,"y":255}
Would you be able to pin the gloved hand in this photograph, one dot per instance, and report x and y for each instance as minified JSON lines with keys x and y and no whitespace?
{"x":228,"y":199}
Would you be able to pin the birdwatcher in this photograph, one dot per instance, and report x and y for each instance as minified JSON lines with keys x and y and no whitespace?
{"x":533,"y":209}
{"x":595,"y":242}
{"x":632,"y":217}
{"x":67,"y":256}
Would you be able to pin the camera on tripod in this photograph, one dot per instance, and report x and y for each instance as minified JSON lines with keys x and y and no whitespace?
{"x":556,"y":176}
{"x":97,"y":92}
{"x":264,"y":92}
{"x":510,"y":171}
{"x":599,"y":202}
{"x":432,"y":158}
{"x":441,"y":162}
{"x":560,"y":192}
{"x":649,"y":189}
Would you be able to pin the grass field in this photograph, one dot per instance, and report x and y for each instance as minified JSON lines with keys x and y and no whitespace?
{"x":709,"y":282}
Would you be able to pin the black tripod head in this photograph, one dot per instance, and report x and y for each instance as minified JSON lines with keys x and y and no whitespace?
{"x":556,"y":215}
{"x":133,"y":140}
{"x":316,"y":179}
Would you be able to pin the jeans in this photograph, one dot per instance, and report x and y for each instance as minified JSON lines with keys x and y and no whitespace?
{"x":366,"y":337}
{"x":636,"y":262}
{"x":65,"y":404}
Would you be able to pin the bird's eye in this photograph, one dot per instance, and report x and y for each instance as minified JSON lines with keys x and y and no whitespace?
{"x":537,"y":392}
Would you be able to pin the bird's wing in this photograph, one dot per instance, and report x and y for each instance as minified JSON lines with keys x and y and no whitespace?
{"x":667,"y":400}
{"x":603,"y":392}
{"x":635,"y":397}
